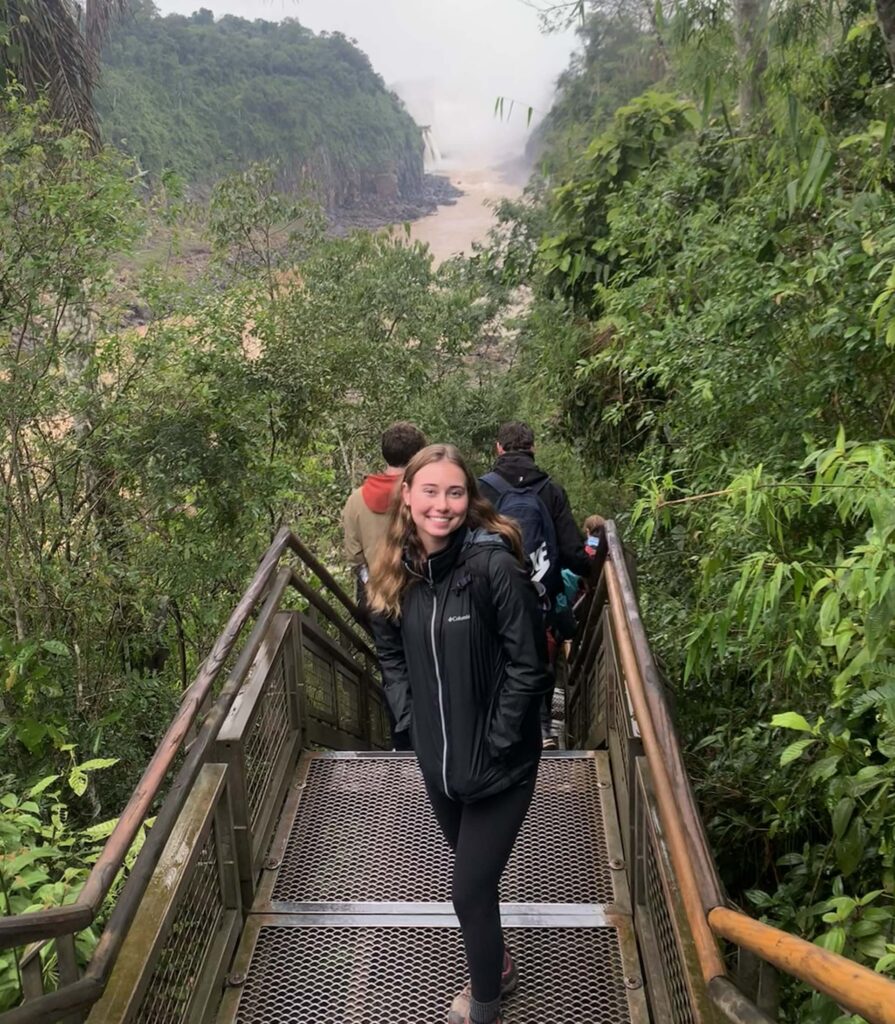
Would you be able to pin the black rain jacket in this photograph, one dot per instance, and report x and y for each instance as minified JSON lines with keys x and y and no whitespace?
{"x":520,"y":470}
{"x":465,"y":667}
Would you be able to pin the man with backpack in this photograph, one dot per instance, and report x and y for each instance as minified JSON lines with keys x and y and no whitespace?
{"x":365,"y":518}
{"x":550,"y":536}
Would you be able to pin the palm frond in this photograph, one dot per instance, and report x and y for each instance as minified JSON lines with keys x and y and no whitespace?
{"x":52,"y":47}
{"x":100,"y":15}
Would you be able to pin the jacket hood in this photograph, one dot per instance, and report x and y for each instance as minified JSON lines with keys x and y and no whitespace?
{"x":463,"y":545}
{"x":377,"y":490}
{"x":519,"y":469}
{"x":481,"y":536}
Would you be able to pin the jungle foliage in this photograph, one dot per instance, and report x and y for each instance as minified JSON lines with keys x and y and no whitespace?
{"x":201,"y":98}
{"x":711,"y":253}
{"x":714,"y":319}
{"x":146,"y":463}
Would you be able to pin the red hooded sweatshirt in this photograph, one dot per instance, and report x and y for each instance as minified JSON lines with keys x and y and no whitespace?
{"x":377,"y":490}
{"x":364,"y":518}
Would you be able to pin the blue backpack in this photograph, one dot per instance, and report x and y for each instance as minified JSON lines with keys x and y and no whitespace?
{"x":524,"y":505}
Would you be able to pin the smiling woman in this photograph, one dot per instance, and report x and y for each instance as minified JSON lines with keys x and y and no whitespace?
{"x":461,"y":643}
{"x":438,"y":501}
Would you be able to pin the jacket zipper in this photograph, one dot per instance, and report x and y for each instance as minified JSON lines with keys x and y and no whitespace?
{"x":440,"y":686}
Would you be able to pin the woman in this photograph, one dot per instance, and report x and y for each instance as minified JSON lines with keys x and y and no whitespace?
{"x":461,"y":644}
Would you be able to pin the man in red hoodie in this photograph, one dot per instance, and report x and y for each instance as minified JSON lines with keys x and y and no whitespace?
{"x":365,"y":518}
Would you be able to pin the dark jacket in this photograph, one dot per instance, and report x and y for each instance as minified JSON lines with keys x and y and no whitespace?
{"x":520,"y":470}
{"x":465,"y":667}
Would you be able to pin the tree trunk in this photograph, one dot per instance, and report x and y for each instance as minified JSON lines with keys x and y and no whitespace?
{"x":750,"y":25}
{"x":885,"y":11}
{"x":656,"y":18}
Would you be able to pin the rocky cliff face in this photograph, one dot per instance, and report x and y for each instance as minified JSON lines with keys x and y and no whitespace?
{"x":392,"y":191}
{"x":339,"y":185}
{"x":204,"y":98}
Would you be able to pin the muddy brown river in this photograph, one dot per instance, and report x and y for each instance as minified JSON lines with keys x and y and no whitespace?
{"x":453,"y":229}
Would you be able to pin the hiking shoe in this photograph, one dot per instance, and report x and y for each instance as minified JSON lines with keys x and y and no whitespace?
{"x":550,"y":743}
{"x":509,"y":980}
{"x":459,"y":1012}
{"x":509,"y":976}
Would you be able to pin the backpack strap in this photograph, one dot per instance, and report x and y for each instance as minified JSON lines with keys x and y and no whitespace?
{"x":478,"y":581}
{"x":503,"y":486}
{"x":497,"y":483}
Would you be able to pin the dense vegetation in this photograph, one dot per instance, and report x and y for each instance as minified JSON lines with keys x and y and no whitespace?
{"x":714,"y":319}
{"x":707,"y":354}
{"x":144,"y":469}
{"x":202,"y":98}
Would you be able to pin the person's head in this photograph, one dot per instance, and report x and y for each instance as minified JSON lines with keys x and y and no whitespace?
{"x":438,"y":496}
{"x":400,"y":442}
{"x":593,"y":523}
{"x":515,"y":437}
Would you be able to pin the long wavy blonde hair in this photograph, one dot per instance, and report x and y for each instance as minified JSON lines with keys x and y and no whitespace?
{"x":389,"y":576}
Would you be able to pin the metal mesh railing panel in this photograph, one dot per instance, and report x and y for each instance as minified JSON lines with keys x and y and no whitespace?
{"x":377,"y":721}
{"x":672,"y":968}
{"x":558,"y":707}
{"x":620,"y":729}
{"x":318,"y":683}
{"x":409,"y":976}
{"x":364,"y":832}
{"x":266,"y":736}
{"x":195,"y":926}
{"x":349,"y":701}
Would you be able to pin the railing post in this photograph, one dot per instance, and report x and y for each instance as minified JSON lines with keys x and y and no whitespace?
{"x":758,"y":980}
{"x":366,"y":701}
{"x":260,"y":741}
{"x":67,"y":962}
{"x":31,"y":970}
{"x":292,"y":662}
{"x":172,"y":962}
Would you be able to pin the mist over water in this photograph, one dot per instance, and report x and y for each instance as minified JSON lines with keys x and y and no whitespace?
{"x":464,"y":131}
{"x":448,"y":61}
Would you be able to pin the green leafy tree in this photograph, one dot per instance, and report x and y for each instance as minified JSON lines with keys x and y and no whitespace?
{"x":713,"y":323}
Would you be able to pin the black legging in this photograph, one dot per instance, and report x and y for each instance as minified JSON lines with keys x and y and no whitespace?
{"x":481,"y":835}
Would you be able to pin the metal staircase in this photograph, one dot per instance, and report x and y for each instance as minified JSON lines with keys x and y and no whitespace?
{"x":353,"y":923}
{"x":294,"y":872}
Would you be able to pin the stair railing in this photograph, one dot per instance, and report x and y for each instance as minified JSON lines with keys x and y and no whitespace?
{"x":316,"y":671}
{"x":616,"y":698}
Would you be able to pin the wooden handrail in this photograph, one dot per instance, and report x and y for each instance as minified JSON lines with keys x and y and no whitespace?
{"x":88,"y":988}
{"x":707,"y":880}
{"x":710,"y":962}
{"x":313,"y":598}
{"x":21,"y":928}
{"x":126,"y":907}
{"x":327,"y":579}
{"x":267,"y":586}
{"x":73,"y":917}
{"x":852,"y":986}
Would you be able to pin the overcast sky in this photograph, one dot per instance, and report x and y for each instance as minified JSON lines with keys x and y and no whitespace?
{"x":448,"y":59}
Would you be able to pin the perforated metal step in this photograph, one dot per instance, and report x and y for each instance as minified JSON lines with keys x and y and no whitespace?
{"x":408,"y":975}
{"x":352,"y":923}
{"x":361,"y":830}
